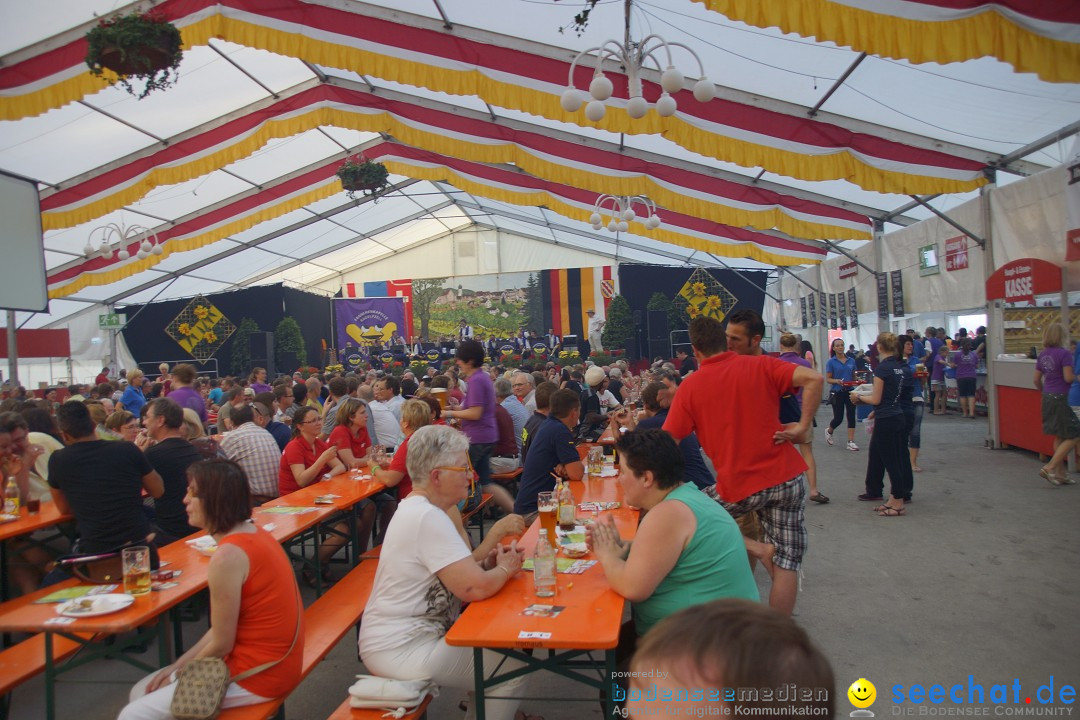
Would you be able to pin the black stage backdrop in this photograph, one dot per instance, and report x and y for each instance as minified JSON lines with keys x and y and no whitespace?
{"x":267,"y":305}
{"x":637,"y":283}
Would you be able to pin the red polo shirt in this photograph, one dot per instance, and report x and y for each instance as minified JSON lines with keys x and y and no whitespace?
{"x":733,"y":403}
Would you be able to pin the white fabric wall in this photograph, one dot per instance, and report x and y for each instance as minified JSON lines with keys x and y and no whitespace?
{"x":89,"y":353}
{"x":1028,"y":220}
{"x":471,"y":252}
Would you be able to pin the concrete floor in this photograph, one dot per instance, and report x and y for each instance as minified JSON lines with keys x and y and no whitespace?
{"x":976,"y":580}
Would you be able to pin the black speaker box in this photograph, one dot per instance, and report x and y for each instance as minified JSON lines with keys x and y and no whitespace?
{"x":658,"y":329}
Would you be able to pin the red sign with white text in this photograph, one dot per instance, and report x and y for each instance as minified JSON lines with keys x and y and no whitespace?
{"x":956,"y":253}
{"x":1021,"y":280}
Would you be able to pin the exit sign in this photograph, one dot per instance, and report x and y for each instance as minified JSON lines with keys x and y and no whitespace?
{"x":111,"y":320}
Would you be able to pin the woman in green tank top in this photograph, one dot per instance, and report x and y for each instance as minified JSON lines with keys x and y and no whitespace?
{"x":687,"y":551}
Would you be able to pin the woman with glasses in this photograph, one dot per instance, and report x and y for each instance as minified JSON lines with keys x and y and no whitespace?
{"x":125,"y":425}
{"x":305,"y":460}
{"x":257,"y":615}
{"x":419,"y":586}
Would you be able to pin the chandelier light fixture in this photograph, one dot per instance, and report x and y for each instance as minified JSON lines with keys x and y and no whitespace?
{"x":633,"y":56}
{"x":125,"y":235}
{"x":619,"y":212}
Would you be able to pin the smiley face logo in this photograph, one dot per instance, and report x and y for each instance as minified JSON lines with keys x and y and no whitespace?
{"x":862,"y":693}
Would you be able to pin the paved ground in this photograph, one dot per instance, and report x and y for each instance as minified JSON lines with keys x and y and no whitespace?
{"x":977,"y":580}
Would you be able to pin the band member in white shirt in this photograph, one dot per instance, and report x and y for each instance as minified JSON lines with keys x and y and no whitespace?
{"x":465,"y":331}
{"x":596,"y":326}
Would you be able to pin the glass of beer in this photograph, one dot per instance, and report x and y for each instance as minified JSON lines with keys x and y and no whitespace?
{"x":136,"y":562}
{"x":548,"y":507}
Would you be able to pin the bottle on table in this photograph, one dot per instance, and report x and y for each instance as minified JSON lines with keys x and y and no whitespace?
{"x":544,"y":567}
{"x":567,"y":508}
{"x":11,"y":496}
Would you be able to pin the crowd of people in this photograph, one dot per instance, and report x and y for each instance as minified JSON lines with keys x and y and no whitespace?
{"x":136,"y":460}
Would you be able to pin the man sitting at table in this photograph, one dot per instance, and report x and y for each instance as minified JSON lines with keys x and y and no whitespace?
{"x":687,"y":550}
{"x":170,"y":456}
{"x":551,"y":450}
{"x":101,"y":483}
{"x":255,"y":450}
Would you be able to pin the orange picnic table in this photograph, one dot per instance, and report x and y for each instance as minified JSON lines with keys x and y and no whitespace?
{"x":27,"y":524}
{"x":27,"y":614}
{"x":589,"y":619}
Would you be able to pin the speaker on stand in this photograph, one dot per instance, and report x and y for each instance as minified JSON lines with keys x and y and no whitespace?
{"x":261,"y":349}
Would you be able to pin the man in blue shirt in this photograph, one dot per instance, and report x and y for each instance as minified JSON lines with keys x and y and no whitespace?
{"x":551,"y":449}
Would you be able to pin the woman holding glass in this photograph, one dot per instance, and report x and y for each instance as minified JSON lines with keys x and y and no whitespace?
{"x":419,"y":586}
{"x":256,"y":615}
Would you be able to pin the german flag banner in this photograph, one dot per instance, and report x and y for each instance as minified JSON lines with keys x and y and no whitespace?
{"x":569,"y":293}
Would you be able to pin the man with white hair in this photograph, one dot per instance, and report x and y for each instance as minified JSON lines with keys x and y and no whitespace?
{"x":596,"y":327}
{"x":615,"y":383}
{"x":521,"y":383}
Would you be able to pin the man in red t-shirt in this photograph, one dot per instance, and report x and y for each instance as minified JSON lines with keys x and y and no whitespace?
{"x":733,"y":403}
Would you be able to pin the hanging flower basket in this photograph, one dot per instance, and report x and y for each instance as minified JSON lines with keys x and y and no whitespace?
{"x":360,"y":175}
{"x":139,"y":46}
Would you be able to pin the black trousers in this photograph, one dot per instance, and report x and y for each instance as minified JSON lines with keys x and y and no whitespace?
{"x":841,"y":403}
{"x":889,"y":453}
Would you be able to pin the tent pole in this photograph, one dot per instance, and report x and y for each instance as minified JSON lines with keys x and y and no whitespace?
{"x":12,"y":349}
{"x":995,"y":334}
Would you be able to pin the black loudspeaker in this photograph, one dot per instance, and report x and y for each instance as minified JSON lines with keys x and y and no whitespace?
{"x":659,"y":349}
{"x":261,"y":348}
{"x":289,"y":362}
{"x":658,"y":329}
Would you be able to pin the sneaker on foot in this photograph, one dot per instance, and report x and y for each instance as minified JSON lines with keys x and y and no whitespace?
{"x":828,"y":437}
{"x":852,"y":446}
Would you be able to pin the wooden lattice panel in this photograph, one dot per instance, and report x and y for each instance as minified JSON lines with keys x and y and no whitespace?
{"x":1021,"y":340}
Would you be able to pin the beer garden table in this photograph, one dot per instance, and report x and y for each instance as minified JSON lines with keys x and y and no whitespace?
{"x":25,"y":615}
{"x":590,"y":621}
{"x":48,"y":517}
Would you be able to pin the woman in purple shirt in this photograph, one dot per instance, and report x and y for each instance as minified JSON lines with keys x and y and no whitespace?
{"x":477,"y":415}
{"x":186,"y":396}
{"x":1053,"y":375}
{"x":965,"y":362}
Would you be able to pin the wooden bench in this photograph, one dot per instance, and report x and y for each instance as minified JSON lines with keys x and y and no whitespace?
{"x":508,"y":479}
{"x":24,"y":660}
{"x":326,"y":621}
{"x":347,"y":712}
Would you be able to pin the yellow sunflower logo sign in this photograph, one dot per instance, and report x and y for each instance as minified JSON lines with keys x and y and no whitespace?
{"x":200,"y":328}
{"x":701,"y":294}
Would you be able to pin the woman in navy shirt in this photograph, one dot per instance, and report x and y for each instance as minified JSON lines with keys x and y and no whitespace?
{"x":839,"y":369}
{"x":888,"y":443}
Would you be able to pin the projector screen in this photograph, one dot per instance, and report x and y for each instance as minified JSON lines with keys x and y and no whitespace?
{"x":22,"y":274}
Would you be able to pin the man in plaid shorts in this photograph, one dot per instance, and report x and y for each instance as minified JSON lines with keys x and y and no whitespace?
{"x":733,"y":403}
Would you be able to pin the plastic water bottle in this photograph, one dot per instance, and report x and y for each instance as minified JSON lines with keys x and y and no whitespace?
{"x":544,"y":567}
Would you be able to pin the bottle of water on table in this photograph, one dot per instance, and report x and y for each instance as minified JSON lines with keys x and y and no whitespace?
{"x":544,"y":567}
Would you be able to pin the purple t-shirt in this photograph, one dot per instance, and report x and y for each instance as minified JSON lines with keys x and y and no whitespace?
{"x":794,"y":359}
{"x":937,"y":372}
{"x":1050,"y":364}
{"x":966,"y":365}
{"x":189,"y":397}
{"x":480,"y":391}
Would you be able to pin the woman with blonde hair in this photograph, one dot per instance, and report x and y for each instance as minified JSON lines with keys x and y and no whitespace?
{"x":133,"y":399}
{"x":1053,"y":375}
{"x":888,"y":442}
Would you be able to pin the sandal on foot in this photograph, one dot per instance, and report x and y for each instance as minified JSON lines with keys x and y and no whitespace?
{"x":1053,"y":478}
{"x":890,"y":511}
{"x":818,"y":497}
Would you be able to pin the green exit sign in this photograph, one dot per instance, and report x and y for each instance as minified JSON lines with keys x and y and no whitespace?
{"x":111,"y":320}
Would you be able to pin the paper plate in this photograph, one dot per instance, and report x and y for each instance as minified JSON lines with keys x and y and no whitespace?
{"x":94,"y":605}
{"x":8,"y":517}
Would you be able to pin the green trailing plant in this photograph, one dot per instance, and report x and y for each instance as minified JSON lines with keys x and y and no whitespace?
{"x":360,"y":175}
{"x":139,"y":46}
{"x":241,"y":352}
{"x":619,"y":328}
{"x":289,"y":339}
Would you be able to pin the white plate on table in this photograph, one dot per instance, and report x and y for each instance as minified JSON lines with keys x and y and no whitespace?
{"x":8,"y":517}
{"x":94,"y":605}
